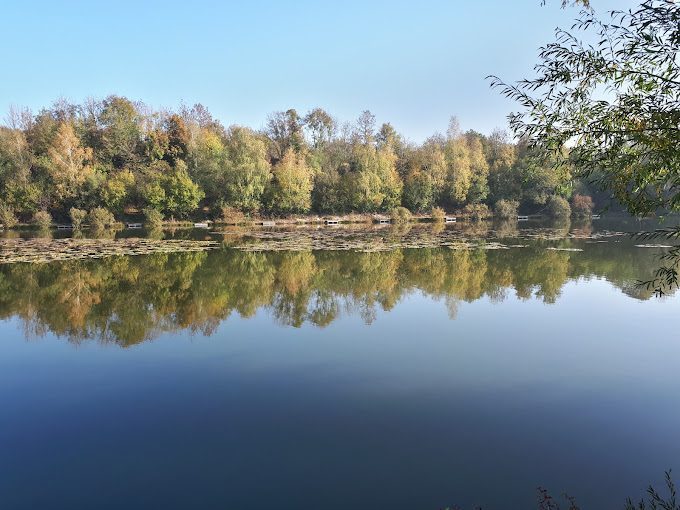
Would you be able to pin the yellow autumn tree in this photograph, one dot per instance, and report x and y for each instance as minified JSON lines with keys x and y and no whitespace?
{"x":68,"y":163}
{"x":291,"y":186}
{"x":459,"y":171}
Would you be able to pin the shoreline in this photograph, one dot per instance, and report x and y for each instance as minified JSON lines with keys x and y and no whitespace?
{"x":133,"y":222}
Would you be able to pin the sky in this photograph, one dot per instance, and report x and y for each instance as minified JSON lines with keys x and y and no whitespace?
{"x":412,"y":63}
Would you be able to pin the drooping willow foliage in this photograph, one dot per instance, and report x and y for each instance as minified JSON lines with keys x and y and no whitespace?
{"x":605,"y":100}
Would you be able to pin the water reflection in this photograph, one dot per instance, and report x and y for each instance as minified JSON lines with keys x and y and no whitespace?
{"x":127,"y":300}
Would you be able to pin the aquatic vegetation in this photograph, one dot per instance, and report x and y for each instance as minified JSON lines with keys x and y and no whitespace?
{"x":170,"y":285}
{"x":13,"y":251}
{"x":389,"y":237}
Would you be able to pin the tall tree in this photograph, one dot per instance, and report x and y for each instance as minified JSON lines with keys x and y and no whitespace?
{"x":179,"y":138}
{"x":365,"y":128}
{"x":119,"y":131}
{"x":321,"y":127}
{"x":285,"y":132}
{"x":459,"y":172}
{"x":246,"y":169}
{"x":291,"y":187}
{"x":69,"y":163}
{"x":425,"y":176}
{"x":373,"y":184}
{"x":479,"y":168}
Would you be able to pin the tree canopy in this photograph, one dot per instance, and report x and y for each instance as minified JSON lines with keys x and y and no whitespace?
{"x":605,"y":101}
{"x":122,"y":156}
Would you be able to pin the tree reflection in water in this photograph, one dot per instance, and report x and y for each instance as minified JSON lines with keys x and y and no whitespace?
{"x":127,"y":300}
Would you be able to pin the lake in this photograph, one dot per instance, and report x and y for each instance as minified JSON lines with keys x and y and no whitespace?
{"x":263,"y":375}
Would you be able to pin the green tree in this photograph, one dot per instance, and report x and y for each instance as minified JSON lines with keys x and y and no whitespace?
{"x":365,"y":128}
{"x":419,"y":191}
{"x":19,"y":187}
{"x":182,"y":195}
{"x":7,"y":217}
{"x":116,"y":189}
{"x":504,"y":181}
{"x":178,"y":138}
{"x":426,"y":171}
{"x":479,"y":168}
{"x":557,"y":207}
{"x":459,"y":171}
{"x":246,"y":171}
{"x":151,"y":187}
{"x":373,"y":184}
{"x":77,"y":217}
{"x":284,"y":130}
{"x":207,"y":163}
{"x":119,"y":131}
{"x":290,"y":190}
{"x":321,"y":127}
{"x":630,"y":136}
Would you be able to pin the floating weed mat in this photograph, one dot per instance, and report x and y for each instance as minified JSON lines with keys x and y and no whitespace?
{"x":374,"y":240}
{"x":13,"y":251}
{"x":345,"y":240}
{"x":553,"y":248}
{"x":484,"y":246}
{"x":665,"y":246}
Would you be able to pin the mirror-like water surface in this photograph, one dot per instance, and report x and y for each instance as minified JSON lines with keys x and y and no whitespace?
{"x":405,"y":378}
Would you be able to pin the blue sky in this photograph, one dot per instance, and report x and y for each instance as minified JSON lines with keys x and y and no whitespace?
{"x":412,"y":63}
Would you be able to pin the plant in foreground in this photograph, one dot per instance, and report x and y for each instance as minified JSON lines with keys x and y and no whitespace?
{"x":655,"y":501}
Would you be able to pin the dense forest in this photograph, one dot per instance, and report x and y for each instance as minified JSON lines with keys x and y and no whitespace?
{"x":117,"y":157}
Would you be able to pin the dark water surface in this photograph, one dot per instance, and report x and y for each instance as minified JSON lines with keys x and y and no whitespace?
{"x":404,"y":379}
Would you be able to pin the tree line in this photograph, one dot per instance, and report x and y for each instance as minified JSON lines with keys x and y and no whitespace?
{"x":115,"y":156}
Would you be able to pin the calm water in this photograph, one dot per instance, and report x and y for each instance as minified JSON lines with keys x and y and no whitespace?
{"x":406,"y":379}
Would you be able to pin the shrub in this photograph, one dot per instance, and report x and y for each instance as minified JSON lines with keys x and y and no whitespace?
{"x":438,"y":215}
{"x":77,"y":217}
{"x":42,"y":219}
{"x":582,"y":205}
{"x":7,"y":217}
{"x":557,"y":207}
{"x":231,"y":215}
{"x":477,"y":211}
{"x":100,"y":218}
{"x":400,"y":215}
{"x":153,"y":217}
{"x":358,"y":218}
{"x":506,"y":209}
